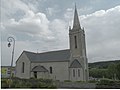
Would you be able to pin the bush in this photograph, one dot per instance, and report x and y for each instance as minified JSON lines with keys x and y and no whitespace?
{"x":104,"y":82}
{"x":32,"y":78}
{"x":108,"y":82}
{"x":4,"y":83}
{"x":29,"y":83}
{"x":52,"y":87}
{"x":67,"y":81}
{"x":80,"y":81}
{"x":92,"y":81}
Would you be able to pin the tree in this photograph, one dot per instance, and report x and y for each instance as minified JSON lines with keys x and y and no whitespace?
{"x":112,"y":71}
{"x":118,"y":71}
{"x":98,"y":73}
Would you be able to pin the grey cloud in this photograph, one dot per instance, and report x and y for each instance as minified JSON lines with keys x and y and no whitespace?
{"x":102,"y":34}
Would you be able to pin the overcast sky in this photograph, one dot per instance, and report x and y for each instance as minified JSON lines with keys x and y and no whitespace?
{"x":42,"y":25}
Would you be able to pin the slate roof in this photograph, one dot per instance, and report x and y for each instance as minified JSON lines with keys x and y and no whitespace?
{"x":61,"y":55}
{"x":39,"y":69}
{"x":75,"y":64}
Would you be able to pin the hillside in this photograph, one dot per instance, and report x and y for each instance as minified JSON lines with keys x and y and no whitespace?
{"x":102,"y":64}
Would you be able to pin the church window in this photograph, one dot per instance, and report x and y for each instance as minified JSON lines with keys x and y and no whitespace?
{"x":78,"y":72}
{"x":50,"y":70}
{"x":75,"y":41}
{"x":73,"y":72}
{"x":23,"y":65}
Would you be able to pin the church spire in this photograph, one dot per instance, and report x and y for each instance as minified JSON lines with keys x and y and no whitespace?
{"x":76,"y":23}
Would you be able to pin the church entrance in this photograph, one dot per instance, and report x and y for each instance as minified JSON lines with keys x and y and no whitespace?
{"x":35,"y":74}
{"x":40,"y":72}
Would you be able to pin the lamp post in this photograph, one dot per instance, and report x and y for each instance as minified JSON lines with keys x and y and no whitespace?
{"x":11,"y":39}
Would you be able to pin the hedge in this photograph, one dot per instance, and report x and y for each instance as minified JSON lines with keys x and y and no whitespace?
{"x":28,"y":83}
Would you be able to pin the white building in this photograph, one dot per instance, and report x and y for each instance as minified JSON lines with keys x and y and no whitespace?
{"x":70,"y":64}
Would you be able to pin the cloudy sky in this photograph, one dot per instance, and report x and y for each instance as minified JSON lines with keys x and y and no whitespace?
{"x":42,"y":25}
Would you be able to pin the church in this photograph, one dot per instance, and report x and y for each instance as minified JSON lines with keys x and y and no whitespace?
{"x":70,"y":64}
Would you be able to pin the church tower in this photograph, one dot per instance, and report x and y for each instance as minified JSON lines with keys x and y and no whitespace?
{"x":78,"y":66}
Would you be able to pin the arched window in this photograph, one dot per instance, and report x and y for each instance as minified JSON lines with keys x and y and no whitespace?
{"x":75,"y":41}
{"x":23,"y":66}
{"x":50,"y":70}
{"x":78,"y":72}
{"x":73,"y":72}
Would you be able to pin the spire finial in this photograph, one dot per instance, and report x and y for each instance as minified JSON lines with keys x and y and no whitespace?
{"x":76,"y":23}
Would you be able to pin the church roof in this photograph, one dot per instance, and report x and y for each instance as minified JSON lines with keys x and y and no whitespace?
{"x":75,"y":64}
{"x":39,"y":69}
{"x":61,"y":55}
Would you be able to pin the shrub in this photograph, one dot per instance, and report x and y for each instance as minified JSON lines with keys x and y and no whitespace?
{"x":29,"y":83}
{"x":108,"y":82}
{"x":92,"y":81}
{"x":104,"y":82}
{"x":52,"y":87}
{"x":67,"y":81}
{"x":4,"y":83}
{"x":81,"y":81}
{"x":32,"y":78}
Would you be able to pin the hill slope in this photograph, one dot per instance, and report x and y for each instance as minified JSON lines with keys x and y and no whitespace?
{"x":102,"y":64}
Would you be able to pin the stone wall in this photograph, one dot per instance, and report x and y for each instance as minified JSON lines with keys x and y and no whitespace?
{"x":59,"y":70}
{"x":19,"y":73}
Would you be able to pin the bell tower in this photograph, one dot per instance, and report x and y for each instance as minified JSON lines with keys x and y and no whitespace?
{"x":78,"y":61}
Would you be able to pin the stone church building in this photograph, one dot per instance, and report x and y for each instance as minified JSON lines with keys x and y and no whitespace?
{"x":70,"y":64}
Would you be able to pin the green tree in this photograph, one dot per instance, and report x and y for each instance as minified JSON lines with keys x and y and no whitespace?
{"x":98,"y":73}
{"x":112,"y":71}
{"x":118,"y":71}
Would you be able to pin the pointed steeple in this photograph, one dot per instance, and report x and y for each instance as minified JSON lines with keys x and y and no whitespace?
{"x":76,"y":23}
